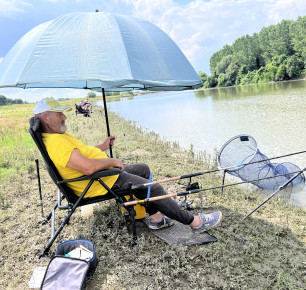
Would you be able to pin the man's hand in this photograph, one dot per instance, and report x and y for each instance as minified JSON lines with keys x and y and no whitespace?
{"x":118,"y":163}
{"x":109,"y":141}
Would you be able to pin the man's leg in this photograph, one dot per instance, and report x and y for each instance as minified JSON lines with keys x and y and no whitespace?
{"x":139,"y":174}
{"x":168,"y":206}
{"x":139,"y":169}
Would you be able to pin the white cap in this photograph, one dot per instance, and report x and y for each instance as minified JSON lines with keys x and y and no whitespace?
{"x":49,"y":104}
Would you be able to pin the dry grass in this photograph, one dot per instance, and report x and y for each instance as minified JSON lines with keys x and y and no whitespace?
{"x":266,"y":251}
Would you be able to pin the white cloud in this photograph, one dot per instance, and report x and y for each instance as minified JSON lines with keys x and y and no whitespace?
{"x":201,"y":28}
{"x":284,"y":9}
{"x":1,"y":59}
{"x":10,"y":8}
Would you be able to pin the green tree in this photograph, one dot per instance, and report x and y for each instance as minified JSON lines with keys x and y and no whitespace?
{"x":211,"y":82}
{"x":294,"y":66}
{"x":298,"y":36}
{"x":271,"y":71}
{"x":202,"y":76}
{"x":223,"y":64}
{"x":281,"y":73}
{"x":281,"y":39}
{"x":91,"y":95}
{"x":222,"y":80}
{"x":259,"y":75}
{"x":263,"y":54}
{"x":241,"y":73}
{"x":217,"y":57}
{"x":18,"y":101}
{"x":247,"y":79}
{"x":277,"y":60}
{"x":2,"y":100}
{"x":231,"y":73}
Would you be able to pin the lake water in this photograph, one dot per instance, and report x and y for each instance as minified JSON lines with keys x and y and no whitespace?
{"x":274,"y":114}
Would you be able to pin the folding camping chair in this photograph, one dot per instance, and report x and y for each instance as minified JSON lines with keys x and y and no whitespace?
{"x":65,"y":192}
{"x":79,"y":110}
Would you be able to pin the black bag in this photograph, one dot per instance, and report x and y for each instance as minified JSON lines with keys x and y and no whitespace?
{"x":73,"y":261}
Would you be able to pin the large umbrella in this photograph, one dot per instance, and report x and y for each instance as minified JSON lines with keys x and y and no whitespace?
{"x":97,"y":51}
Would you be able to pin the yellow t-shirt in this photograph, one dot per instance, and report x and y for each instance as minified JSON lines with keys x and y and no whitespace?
{"x":60,"y":147}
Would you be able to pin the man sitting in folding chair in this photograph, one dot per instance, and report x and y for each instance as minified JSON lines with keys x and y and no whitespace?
{"x":73,"y":159}
{"x":84,"y":107}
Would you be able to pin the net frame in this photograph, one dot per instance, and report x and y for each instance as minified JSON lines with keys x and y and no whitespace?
{"x":231,"y":167}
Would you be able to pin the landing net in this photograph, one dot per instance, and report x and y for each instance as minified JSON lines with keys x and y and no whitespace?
{"x":240,"y":150}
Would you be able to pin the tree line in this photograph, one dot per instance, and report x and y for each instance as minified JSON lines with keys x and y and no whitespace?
{"x":6,"y":101}
{"x":276,"y":53}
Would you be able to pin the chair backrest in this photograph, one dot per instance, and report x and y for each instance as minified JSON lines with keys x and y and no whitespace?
{"x":35,"y":131}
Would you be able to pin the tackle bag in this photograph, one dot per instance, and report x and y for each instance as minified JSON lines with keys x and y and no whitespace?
{"x":72,"y":262}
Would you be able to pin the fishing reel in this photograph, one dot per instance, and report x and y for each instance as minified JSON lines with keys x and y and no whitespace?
{"x":189,"y":204}
{"x":192,"y":186}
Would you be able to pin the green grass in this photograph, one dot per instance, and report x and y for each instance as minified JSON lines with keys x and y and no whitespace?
{"x":266,"y":251}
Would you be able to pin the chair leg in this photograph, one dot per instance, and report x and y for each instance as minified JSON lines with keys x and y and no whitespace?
{"x":48,"y":217}
{"x":53,"y":224}
{"x":132,"y":214}
{"x":64,"y":222}
{"x":51,"y":241}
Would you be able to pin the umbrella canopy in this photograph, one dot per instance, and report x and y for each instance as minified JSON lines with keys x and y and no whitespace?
{"x":94,"y":51}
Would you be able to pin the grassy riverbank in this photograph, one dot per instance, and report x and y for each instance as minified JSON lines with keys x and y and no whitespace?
{"x":266,"y":251}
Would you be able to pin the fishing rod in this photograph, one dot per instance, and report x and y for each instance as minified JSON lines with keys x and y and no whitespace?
{"x":209,"y":171}
{"x":134,"y":202}
{"x":275,"y":192}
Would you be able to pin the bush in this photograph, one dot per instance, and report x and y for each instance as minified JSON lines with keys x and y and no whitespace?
{"x":91,"y":95}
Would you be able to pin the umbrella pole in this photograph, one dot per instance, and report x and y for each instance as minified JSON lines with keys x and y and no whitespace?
{"x":106,"y":119}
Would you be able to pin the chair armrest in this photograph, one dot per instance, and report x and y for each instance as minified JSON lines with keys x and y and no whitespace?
{"x":96,"y":175}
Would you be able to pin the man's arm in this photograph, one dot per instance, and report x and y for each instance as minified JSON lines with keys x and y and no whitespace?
{"x":88,"y":166}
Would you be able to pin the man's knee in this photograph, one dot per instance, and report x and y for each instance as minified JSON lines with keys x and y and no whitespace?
{"x":140,"y":169}
{"x":146,"y":170}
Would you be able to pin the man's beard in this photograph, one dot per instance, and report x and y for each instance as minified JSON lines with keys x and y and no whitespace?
{"x":63,"y":128}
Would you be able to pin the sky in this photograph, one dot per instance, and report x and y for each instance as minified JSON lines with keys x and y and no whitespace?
{"x":199,"y":27}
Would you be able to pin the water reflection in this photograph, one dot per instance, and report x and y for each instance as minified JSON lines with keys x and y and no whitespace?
{"x":251,"y":90}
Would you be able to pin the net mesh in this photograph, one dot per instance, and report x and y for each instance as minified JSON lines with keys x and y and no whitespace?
{"x":236,"y":154}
